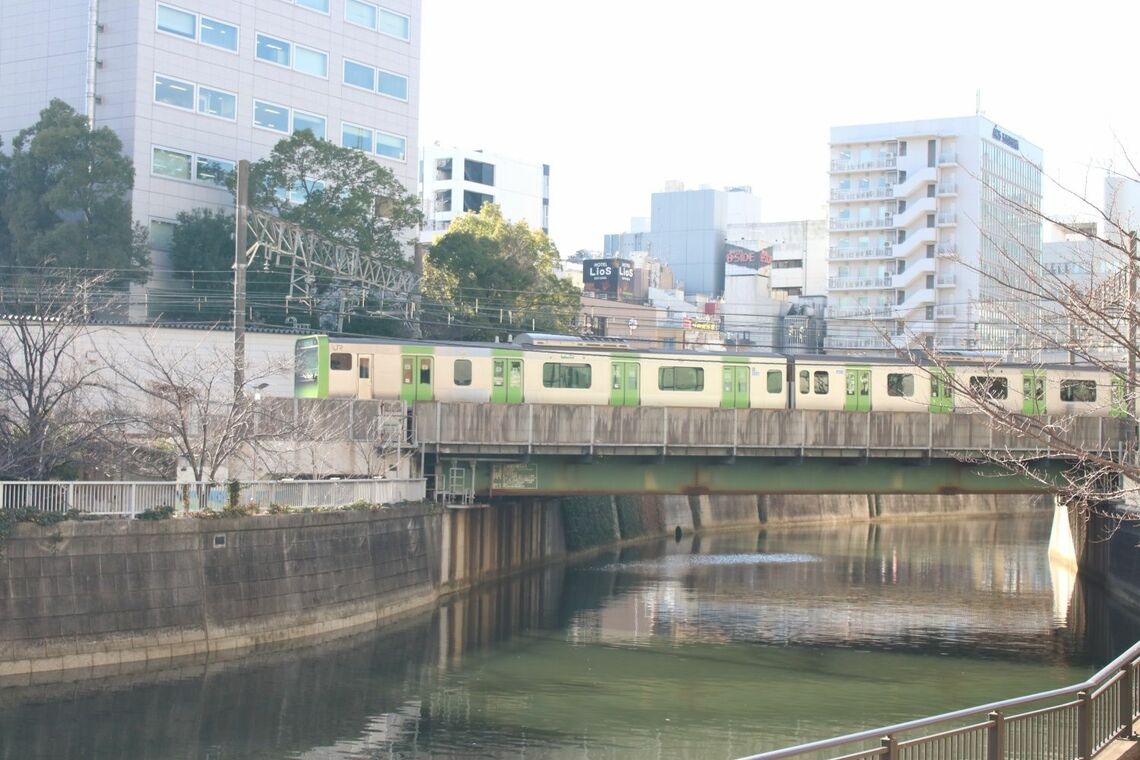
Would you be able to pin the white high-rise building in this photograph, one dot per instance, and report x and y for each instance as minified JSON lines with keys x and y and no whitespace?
{"x":932,"y":229}
{"x":192,"y":86}
{"x":455,"y":180}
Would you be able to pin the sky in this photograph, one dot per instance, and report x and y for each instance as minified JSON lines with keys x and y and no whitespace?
{"x":621,"y":96}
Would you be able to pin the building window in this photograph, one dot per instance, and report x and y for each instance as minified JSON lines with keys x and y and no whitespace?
{"x":681,"y":379}
{"x":443,"y":168}
{"x":391,"y":146}
{"x":559,"y":375}
{"x":474,"y":201}
{"x":359,"y":75}
{"x":395,"y":25}
{"x":273,"y":50}
{"x":212,"y":171}
{"x":161,"y":237}
{"x":171,"y":163}
{"x":312,"y":62}
{"x":442,"y":200}
{"x":316,"y":5}
{"x":311,"y":122}
{"x":462,"y":375}
{"x":217,"y":103}
{"x":173,"y":92}
{"x":270,"y":116}
{"x":775,"y":380}
{"x":219,"y":34}
{"x":361,"y":13}
{"x":392,"y":85}
{"x":902,"y":147}
{"x":176,"y":22}
{"x":359,"y":138}
{"x":900,"y":384}
{"x":479,"y":172}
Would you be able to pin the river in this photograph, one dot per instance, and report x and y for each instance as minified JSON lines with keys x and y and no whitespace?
{"x":708,"y":647}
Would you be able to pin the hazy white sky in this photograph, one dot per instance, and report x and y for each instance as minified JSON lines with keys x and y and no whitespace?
{"x":620,"y":95}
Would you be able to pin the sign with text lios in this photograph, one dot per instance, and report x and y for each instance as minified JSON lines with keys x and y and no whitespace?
{"x":607,"y":275}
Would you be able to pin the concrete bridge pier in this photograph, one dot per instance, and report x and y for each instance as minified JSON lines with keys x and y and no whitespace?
{"x":496,"y":539}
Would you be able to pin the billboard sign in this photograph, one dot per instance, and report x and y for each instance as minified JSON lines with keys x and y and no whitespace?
{"x":607,"y":275}
{"x":740,"y":256}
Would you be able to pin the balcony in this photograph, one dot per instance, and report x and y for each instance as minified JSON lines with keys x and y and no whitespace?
{"x":858,"y":283}
{"x":855,"y":165}
{"x":946,"y":312}
{"x":885,"y":222}
{"x":948,"y":188}
{"x":840,"y":253}
{"x":947,"y":157}
{"x":946,"y":250}
{"x":946,"y":219}
{"x":946,"y":281}
{"x":861,"y":312}
{"x":869,"y":342}
{"x":875,"y":193}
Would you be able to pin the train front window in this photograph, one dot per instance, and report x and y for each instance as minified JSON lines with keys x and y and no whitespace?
{"x":305,"y":361}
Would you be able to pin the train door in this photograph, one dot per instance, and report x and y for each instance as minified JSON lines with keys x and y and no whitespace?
{"x":506,"y":381}
{"x":418,"y":378}
{"x":735,"y":386}
{"x":941,"y":392}
{"x":858,"y":397}
{"x":625,"y":385}
{"x":1119,"y":404}
{"x":364,"y":376}
{"x":1033,"y":387}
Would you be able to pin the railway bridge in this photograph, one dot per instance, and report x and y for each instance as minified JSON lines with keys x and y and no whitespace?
{"x":473,"y":451}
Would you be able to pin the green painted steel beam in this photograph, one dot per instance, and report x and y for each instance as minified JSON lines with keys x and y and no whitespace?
{"x":550,"y":476}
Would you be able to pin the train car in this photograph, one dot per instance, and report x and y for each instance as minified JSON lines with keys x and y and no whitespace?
{"x":566,"y":370}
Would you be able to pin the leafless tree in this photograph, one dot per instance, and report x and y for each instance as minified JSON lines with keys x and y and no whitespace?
{"x":50,"y":395}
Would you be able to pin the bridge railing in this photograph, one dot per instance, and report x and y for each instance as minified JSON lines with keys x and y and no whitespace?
{"x":585,"y":429}
{"x":1070,"y":723}
{"x":127,"y":499}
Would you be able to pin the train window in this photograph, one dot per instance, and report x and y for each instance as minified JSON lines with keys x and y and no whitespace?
{"x":340,"y":362}
{"x":681,"y":379}
{"x":822,"y":382}
{"x":407,"y":371}
{"x":991,"y":387}
{"x":900,"y":384}
{"x":1078,"y":390}
{"x":805,"y":381}
{"x":363,"y":366}
{"x":775,"y":380}
{"x":559,"y":375}
{"x":463,"y":372}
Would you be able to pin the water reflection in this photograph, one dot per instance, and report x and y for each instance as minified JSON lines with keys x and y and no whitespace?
{"x":709,"y":648}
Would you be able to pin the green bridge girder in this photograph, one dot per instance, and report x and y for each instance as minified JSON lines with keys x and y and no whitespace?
{"x":562,"y":475}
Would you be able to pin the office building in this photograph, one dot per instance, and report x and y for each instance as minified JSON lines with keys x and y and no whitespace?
{"x":933,"y":226}
{"x":192,"y":86}
{"x":456,"y":180}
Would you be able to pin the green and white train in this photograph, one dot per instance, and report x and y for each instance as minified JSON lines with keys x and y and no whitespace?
{"x":551,"y":369}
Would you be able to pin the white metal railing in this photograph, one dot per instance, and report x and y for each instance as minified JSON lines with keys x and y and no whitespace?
{"x":947,"y":249}
{"x":836,"y":342}
{"x":862,"y":224}
{"x":948,"y":188}
{"x":948,"y":218}
{"x":849,"y":164}
{"x":883,"y":191}
{"x":947,"y":157}
{"x":945,"y":312}
{"x":861,"y":312}
{"x":879,"y":252}
{"x":852,"y":283}
{"x":946,"y":280}
{"x":130,"y":498}
{"x":1063,"y":724}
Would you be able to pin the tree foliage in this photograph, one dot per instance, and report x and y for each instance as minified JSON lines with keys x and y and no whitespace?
{"x":202,"y":251}
{"x":489,"y":277}
{"x":65,"y":199}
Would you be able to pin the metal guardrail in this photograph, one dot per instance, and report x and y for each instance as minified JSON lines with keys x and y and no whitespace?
{"x":1070,"y":723}
{"x":126,"y":499}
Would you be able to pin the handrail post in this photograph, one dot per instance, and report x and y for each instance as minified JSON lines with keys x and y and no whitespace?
{"x":996,"y":735}
{"x":891,"y":746}
{"x":1084,"y":725}
{"x":1126,"y":677}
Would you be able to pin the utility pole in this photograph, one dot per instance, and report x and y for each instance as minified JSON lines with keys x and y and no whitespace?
{"x":242,"y":208}
{"x":1131,"y":316}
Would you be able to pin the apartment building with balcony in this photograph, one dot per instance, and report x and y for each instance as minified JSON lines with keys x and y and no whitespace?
{"x":931,"y":228}
{"x":193,"y":86}
{"x":455,"y":181}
